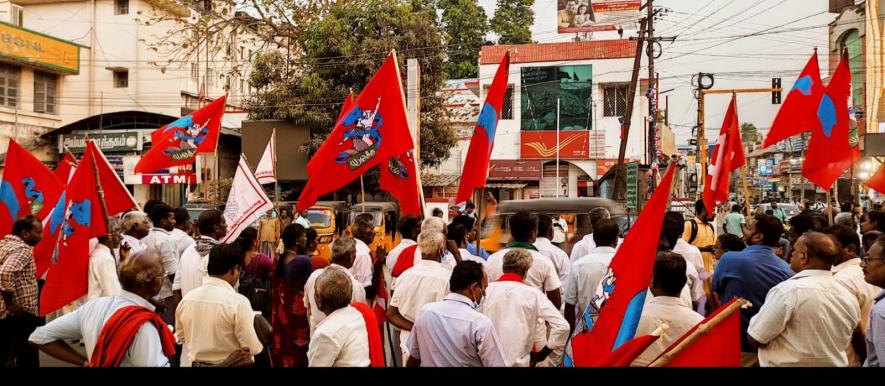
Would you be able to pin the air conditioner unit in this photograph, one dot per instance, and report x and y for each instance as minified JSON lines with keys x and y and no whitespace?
{"x":16,"y":14}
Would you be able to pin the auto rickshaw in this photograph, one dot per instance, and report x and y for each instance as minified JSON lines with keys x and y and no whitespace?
{"x":386,"y":218}
{"x":324,"y":218}
{"x":496,"y":233}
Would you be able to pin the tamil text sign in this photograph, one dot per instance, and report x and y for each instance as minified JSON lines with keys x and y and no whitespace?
{"x":39,"y":50}
{"x":107,"y":142}
{"x":514,"y":170}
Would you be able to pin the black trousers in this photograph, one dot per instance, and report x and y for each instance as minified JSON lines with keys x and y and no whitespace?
{"x":14,"y":348}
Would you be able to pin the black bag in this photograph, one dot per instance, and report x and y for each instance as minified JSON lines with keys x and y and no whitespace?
{"x":256,"y":289}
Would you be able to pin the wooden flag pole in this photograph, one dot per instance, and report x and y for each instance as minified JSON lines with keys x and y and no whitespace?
{"x":829,"y":209}
{"x":746,"y":194}
{"x":702,"y":330}
{"x":480,"y":205}
{"x":363,"y":193}
{"x":100,"y":191}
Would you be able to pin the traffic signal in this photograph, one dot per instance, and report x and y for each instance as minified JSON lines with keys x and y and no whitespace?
{"x":776,"y":95}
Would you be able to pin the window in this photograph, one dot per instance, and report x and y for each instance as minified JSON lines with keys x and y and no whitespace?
{"x":210,"y":81}
{"x":855,"y":62}
{"x":507,"y":107}
{"x":45,"y":92}
{"x":121,"y":78}
{"x":121,"y":7}
{"x":9,"y":78}
{"x":615,"y":100}
{"x":542,"y":87}
{"x":18,"y":14}
{"x":241,"y":53}
{"x":195,"y":71}
{"x":241,"y":86}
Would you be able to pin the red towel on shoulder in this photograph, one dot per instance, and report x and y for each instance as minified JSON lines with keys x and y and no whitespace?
{"x":376,"y":350}
{"x":119,"y":331}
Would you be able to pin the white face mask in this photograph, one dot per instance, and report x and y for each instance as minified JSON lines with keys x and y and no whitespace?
{"x":478,"y":304}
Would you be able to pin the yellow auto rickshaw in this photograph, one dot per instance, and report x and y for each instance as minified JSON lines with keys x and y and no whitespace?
{"x":495,"y":231}
{"x":324,"y":218}
{"x":385,"y":216}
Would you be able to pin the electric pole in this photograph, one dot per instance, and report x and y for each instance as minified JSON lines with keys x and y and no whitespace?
{"x":620,"y":177}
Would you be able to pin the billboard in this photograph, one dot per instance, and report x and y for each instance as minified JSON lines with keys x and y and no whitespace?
{"x":543,"y":86}
{"x":596,"y":15}
{"x":542,"y":144}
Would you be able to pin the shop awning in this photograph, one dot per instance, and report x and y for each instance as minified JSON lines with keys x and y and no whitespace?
{"x":505,"y":185}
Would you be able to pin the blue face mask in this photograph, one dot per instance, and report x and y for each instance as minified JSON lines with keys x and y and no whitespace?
{"x":273,"y":215}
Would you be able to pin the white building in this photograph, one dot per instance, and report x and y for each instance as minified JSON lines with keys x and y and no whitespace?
{"x":590,"y":79}
{"x":126,"y":87}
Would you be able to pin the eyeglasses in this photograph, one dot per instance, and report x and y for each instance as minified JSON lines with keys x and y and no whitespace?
{"x":867,"y":259}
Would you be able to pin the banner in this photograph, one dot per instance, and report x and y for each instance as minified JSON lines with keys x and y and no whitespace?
{"x":596,"y":15}
{"x":542,"y":144}
{"x":246,"y":202}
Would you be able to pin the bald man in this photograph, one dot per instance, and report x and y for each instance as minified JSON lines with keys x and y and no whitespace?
{"x":141,"y":278}
{"x":807,"y":320}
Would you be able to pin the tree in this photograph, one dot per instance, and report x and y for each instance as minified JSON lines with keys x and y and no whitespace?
{"x":513,"y":21}
{"x":340,"y":52}
{"x":466,"y":25}
{"x":748,"y":133}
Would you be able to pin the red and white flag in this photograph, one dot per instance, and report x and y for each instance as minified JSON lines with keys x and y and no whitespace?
{"x":246,"y":202}
{"x":266,"y":171}
{"x":728,"y":156}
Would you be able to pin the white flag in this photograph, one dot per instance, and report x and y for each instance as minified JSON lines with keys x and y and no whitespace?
{"x":266,"y":172}
{"x":246,"y":202}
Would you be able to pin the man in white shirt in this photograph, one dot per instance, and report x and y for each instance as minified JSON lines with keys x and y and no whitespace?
{"x":301,"y":219}
{"x":213,"y":320}
{"x":343,"y":253}
{"x":542,"y":274}
{"x":671,"y":234}
{"x":195,"y":258}
{"x":363,"y":230}
{"x":426,"y":282}
{"x":847,"y":271}
{"x":545,"y":246}
{"x":160,"y":241}
{"x":560,"y":230}
{"x":341,"y":339}
{"x":409,"y":227}
{"x":103,"y":279}
{"x":136,"y":226}
{"x":430,"y":224}
{"x":587,"y":271}
{"x":808,"y":319}
{"x":451,"y":332}
{"x":668,"y":280}
{"x":180,"y":233}
{"x":874,"y":273}
{"x":585,"y":245}
{"x":517,"y":310}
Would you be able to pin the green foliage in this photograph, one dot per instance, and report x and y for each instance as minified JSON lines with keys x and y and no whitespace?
{"x":513,"y":21}
{"x":466,"y":25}
{"x":342,"y":51}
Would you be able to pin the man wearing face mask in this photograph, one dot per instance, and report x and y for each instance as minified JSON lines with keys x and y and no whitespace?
{"x":426,"y":282}
{"x":751,"y":273}
{"x":451,"y":332}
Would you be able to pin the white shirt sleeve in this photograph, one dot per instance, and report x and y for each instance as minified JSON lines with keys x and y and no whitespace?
{"x":66,"y":327}
{"x":106,"y":272}
{"x":773,"y":317}
{"x":245,"y":327}
{"x":322,"y":351}
{"x":167,"y":250}
{"x":558,"y":326}
{"x":578,"y":251}
{"x":412,"y":342}
{"x":551,"y":281}
{"x":570,"y":295}
{"x":176,"y":283}
{"x":362,"y":269}
{"x":146,"y":349}
{"x":490,"y":353}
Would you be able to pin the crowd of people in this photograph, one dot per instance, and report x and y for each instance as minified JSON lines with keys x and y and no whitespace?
{"x":164,"y":291}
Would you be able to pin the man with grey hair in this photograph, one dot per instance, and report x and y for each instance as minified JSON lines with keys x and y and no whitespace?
{"x":451,"y":257}
{"x":524,"y":313}
{"x":586,"y":245}
{"x":342,"y":338}
{"x":426,"y":282}
{"x":135,"y":226}
{"x":343,"y":254}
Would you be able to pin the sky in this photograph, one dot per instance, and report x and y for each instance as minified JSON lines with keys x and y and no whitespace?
{"x":711,"y":37}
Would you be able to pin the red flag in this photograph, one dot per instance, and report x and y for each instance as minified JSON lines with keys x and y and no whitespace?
{"x":346,"y":106}
{"x":476,"y":165}
{"x":178,"y":142}
{"x":800,"y":106}
{"x":373,"y":131}
{"x":620,"y":296}
{"x":877,"y":181}
{"x":82,"y":219}
{"x":830,"y":152}
{"x":728,"y":156}
{"x":116,"y":196}
{"x":718,"y":347}
{"x":65,"y":169}
{"x":28,"y":187}
{"x":399,"y":177}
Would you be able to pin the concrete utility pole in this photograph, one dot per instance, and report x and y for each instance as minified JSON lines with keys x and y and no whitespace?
{"x":620,"y":176}
{"x":652,"y":86}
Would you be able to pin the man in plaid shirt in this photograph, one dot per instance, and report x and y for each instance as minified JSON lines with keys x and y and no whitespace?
{"x":19,"y":315}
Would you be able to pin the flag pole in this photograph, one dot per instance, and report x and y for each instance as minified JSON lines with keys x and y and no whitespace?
{"x":698,"y":333}
{"x":100,"y":190}
{"x":276,"y":180}
{"x":746,"y":193}
{"x":363,"y":194}
{"x":828,"y":208}
{"x":558,"y":182}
